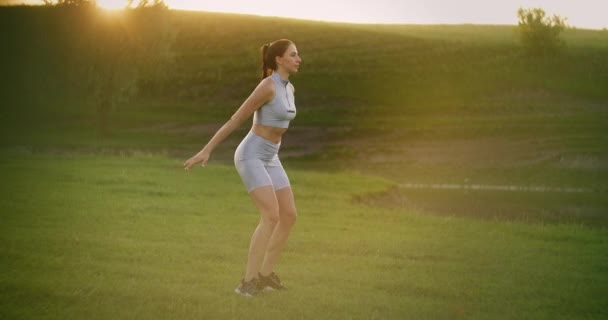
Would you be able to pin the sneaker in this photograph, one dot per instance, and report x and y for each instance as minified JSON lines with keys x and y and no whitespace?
{"x":248,"y":288}
{"x":270,"y":282}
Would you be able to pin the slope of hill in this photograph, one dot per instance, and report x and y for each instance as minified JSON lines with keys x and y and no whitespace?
{"x":422,"y":104}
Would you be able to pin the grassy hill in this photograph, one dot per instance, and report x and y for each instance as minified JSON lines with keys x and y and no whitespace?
{"x":350,"y":70}
{"x":416,"y":104}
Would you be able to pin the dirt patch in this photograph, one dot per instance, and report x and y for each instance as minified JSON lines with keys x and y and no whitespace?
{"x":301,"y":141}
{"x":534,"y":207}
{"x":399,"y":147}
{"x":584,"y":162}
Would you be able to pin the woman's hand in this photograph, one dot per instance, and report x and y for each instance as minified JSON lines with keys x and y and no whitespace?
{"x":201,"y":157}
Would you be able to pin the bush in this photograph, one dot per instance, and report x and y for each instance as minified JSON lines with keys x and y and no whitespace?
{"x":540,"y":34}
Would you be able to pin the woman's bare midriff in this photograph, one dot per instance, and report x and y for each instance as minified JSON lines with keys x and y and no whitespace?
{"x":269,"y":133}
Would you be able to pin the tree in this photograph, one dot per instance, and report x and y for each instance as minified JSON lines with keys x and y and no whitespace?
{"x":74,"y":3}
{"x":539,"y":33}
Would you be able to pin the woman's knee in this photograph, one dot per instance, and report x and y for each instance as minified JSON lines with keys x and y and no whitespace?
{"x":270,"y":217}
{"x":289,"y":217}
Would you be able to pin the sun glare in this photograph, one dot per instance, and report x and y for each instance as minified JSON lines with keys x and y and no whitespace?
{"x":336,"y":10}
{"x":585,"y":13}
{"x":112,"y":4}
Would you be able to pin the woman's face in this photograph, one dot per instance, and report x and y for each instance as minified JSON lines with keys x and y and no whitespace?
{"x":290,"y":60}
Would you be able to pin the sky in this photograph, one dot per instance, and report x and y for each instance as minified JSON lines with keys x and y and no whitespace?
{"x":589,"y":14}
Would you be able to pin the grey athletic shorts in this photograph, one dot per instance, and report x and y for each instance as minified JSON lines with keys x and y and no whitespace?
{"x":257,"y":161}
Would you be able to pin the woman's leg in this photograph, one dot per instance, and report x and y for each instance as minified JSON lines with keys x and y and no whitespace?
{"x":265,"y":200}
{"x":287,"y":218}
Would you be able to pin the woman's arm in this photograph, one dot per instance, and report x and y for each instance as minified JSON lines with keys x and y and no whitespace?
{"x":263,"y":93}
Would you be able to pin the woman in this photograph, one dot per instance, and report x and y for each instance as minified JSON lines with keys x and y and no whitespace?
{"x":256,"y":159}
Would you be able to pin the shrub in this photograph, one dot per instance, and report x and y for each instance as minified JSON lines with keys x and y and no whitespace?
{"x":539,"y":33}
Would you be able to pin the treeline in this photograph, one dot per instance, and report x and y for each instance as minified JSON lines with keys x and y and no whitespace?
{"x":138,"y":4}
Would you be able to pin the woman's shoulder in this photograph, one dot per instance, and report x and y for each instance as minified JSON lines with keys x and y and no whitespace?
{"x":265,"y":88}
{"x":266,"y":84}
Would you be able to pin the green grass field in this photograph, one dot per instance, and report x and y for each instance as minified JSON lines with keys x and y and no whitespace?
{"x":105,"y":224}
{"x":115,"y":237}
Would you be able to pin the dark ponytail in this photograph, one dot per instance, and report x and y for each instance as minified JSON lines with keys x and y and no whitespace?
{"x":269,"y":52}
{"x":265,"y":67}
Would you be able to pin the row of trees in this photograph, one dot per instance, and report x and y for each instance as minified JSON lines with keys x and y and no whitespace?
{"x":159,"y":4}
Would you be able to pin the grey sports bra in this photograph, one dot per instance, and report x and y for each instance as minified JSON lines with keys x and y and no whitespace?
{"x":281,"y":109}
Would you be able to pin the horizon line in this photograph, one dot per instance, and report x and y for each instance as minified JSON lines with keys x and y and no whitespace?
{"x":403,"y":23}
